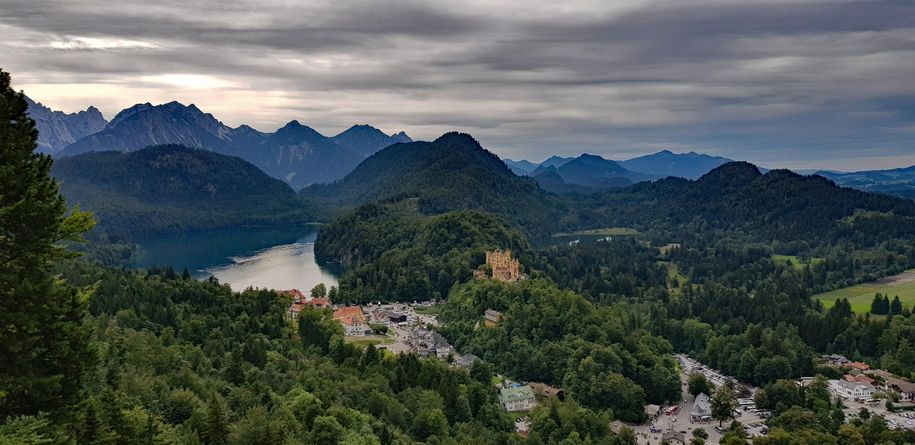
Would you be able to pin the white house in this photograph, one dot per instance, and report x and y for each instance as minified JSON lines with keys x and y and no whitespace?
{"x":851,"y":390}
{"x":519,"y":398}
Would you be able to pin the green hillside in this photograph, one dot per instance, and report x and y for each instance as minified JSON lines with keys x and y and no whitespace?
{"x":451,"y":173}
{"x":170,"y":188}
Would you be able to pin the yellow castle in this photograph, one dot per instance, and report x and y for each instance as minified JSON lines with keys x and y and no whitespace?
{"x":504,"y":267}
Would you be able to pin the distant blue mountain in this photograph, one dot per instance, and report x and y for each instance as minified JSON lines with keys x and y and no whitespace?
{"x":555,"y":161}
{"x":586,"y":172}
{"x":683,"y":165}
{"x":522,"y":167}
{"x":658,"y":165}
{"x":896,"y":182}
{"x":366,"y":139}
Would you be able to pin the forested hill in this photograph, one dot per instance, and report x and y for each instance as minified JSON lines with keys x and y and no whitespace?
{"x":451,"y":173}
{"x":170,"y":188}
{"x":778,"y":205}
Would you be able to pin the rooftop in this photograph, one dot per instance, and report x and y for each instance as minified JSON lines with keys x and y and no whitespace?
{"x":350,"y":315}
{"x":517,"y":393}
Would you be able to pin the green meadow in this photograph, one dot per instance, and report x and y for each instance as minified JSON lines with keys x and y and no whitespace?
{"x":860,"y":296}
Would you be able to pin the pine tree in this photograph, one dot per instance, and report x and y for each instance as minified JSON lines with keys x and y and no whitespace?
{"x":43,"y":337}
{"x":217,"y":429}
{"x":876,"y":303}
{"x":896,"y":306}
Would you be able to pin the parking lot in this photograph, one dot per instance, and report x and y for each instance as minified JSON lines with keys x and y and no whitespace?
{"x":680,"y":422}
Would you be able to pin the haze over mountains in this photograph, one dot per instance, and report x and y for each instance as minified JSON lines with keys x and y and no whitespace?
{"x":586,"y":173}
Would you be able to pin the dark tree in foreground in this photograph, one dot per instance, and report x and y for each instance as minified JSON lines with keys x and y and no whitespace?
{"x":724,"y":402}
{"x":42,"y":335}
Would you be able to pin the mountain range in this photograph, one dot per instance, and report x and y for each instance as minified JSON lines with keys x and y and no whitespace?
{"x":595,"y":172}
{"x":665,"y":163}
{"x":57,"y":129}
{"x":302,"y":156}
{"x":586,"y":173}
{"x":294,"y":153}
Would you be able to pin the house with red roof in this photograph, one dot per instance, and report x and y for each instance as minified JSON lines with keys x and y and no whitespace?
{"x":350,"y":315}
{"x":858,"y":366}
{"x":296,"y":295}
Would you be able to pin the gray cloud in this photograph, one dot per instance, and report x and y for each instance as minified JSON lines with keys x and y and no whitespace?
{"x":825,"y":83}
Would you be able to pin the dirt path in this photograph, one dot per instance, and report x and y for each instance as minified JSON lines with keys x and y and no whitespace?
{"x":895,"y":280}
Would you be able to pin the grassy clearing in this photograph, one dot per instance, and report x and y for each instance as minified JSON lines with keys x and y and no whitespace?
{"x":674,"y":276}
{"x":796,"y":262}
{"x":860,"y":296}
{"x":608,"y":231}
{"x":363,"y":342}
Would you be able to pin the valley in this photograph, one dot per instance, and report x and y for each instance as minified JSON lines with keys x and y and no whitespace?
{"x":369,"y":288}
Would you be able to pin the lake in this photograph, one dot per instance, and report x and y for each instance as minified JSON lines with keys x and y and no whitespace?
{"x":275,"y":258}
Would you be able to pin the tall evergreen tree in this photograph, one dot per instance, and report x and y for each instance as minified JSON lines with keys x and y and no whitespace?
{"x":896,"y":306}
{"x":217,"y":428}
{"x":42,"y":335}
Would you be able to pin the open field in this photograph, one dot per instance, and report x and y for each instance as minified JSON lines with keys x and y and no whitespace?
{"x":861,"y":295}
{"x":608,"y":231}
{"x":363,"y":342}
{"x":795,"y":261}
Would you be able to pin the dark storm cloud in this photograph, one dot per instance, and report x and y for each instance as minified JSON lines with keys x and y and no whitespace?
{"x":780,"y":82}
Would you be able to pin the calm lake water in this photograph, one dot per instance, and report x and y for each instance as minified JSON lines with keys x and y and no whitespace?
{"x":275,"y":258}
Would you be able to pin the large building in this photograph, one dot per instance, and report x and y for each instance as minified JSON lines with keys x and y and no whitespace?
{"x":504,"y":268}
{"x":519,"y":398}
{"x":353,"y":320}
{"x":702,"y":409}
{"x":851,"y":390}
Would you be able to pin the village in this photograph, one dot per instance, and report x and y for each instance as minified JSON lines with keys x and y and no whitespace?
{"x":411,"y":328}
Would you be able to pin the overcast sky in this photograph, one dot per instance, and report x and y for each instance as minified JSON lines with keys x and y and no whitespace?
{"x":785,"y":84}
